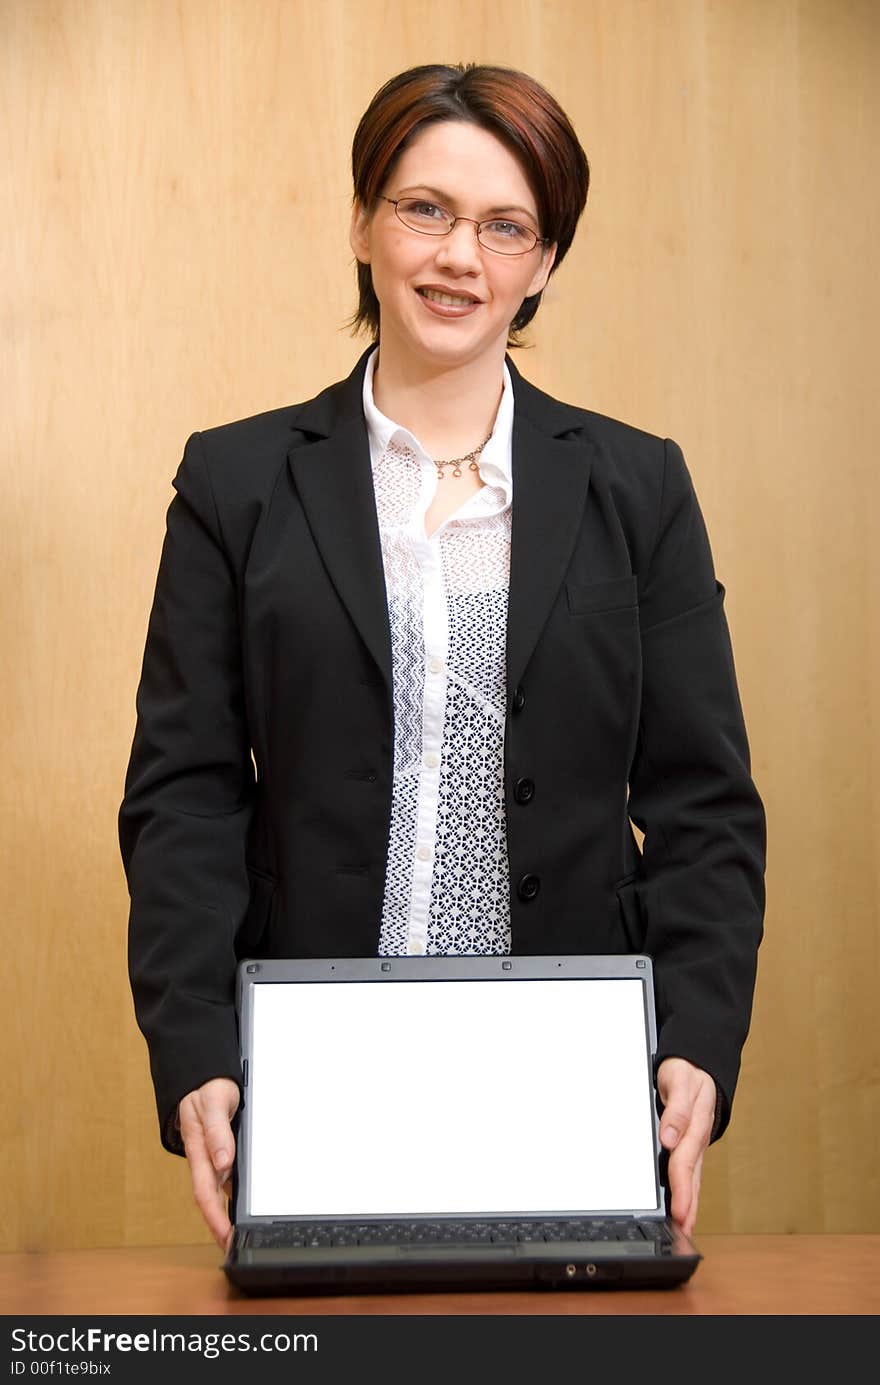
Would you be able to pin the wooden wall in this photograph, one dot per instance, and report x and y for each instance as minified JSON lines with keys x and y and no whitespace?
{"x":175,"y":196}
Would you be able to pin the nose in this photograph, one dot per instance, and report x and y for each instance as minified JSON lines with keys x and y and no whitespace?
{"x":460,"y":250}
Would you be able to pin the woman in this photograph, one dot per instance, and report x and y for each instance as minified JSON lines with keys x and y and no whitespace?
{"x":465,"y":634}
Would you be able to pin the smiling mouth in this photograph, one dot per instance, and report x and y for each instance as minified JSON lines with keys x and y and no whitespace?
{"x":451,"y":300}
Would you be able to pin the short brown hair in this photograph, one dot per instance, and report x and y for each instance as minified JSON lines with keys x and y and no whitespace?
{"x":513,"y":107}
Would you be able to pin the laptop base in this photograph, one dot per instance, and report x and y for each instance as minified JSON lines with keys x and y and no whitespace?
{"x":564,"y":1266}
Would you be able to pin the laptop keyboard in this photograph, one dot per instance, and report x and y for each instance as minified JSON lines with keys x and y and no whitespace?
{"x":300,"y":1235}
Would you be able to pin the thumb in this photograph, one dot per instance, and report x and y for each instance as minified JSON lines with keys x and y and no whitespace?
{"x":218,"y":1108}
{"x":673,"y":1088}
{"x":219,"y":1142}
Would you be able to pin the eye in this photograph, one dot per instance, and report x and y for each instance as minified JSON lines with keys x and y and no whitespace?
{"x":427,"y":210}
{"x":509,"y":230}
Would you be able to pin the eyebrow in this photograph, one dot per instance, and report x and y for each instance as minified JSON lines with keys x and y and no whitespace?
{"x":446,"y":199}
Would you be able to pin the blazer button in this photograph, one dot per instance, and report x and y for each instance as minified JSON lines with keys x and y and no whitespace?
{"x":524,"y":790}
{"x":528,"y":887}
{"x":519,"y":700}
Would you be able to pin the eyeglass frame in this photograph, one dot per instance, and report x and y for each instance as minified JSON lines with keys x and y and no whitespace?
{"x":506,"y":254}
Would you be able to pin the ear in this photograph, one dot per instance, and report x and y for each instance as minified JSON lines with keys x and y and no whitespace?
{"x":542,"y":273}
{"x":359,"y":234}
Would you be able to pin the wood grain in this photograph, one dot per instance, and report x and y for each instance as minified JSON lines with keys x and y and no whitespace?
{"x":175,"y":196}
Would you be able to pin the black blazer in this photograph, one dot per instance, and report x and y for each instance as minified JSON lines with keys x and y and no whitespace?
{"x":257,"y":802}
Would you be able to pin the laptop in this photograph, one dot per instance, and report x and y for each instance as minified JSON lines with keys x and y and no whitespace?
{"x":449,"y":1123}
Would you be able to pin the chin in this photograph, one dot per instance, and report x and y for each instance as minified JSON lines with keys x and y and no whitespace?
{"x":444,"y":345}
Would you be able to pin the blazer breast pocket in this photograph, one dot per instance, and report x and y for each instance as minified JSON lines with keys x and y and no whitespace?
{"x":597,"y":598}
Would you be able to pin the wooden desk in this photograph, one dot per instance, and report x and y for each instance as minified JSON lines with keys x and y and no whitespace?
{"x":739,"y":1275}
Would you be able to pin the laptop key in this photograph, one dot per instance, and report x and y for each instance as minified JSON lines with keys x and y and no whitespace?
{"x":344,"y":1238}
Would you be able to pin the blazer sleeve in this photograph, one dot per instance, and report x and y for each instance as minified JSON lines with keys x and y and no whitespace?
{"x":701,"y":877}
{"x":189,"y":795}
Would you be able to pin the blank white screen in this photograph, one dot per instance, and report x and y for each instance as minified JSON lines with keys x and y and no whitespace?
{"x":434,"y":1098}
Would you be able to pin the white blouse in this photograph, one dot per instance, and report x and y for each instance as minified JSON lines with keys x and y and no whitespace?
{"x":447,"y":887}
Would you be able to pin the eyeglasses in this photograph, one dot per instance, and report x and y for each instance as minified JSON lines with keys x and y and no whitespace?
{"x":502,"y":237}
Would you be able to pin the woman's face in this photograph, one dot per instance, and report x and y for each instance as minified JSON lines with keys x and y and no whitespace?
{"x":469,"y":172}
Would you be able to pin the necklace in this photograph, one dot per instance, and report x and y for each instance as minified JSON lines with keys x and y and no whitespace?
{"x":469,"y":457}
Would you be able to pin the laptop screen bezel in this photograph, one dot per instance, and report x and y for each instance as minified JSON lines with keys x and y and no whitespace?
{"x":388,"y":970}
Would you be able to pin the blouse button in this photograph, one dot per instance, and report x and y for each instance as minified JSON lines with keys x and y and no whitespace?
{"x":423,"y":853}
{"x":528,"y":887}
{"x":436,"y":665}
{"x":524,"y":790}
{"x":417,"y":947}
{"x":432,"y":760}
{"x":519,"y":699}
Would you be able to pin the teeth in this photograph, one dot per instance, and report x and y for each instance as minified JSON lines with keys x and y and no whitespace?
{"x":453,"y":300}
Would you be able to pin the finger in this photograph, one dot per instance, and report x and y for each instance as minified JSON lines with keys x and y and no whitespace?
{"x":681,"y":1186}
{"x":210,"y":1151}
{"x":684,"y":1186}
{"x":684,"y":1183}
{"x":690,"y":1221}
{"x":207,"y":1192}
{"x":212,"y":1204}
{"x":686,"y":1162}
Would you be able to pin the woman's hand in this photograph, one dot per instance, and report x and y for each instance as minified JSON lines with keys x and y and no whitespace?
{"x":205,"y":1117}
{"x":688,"y":1096}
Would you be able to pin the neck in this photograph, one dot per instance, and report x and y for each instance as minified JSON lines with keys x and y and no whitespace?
{"x":449,"y":408}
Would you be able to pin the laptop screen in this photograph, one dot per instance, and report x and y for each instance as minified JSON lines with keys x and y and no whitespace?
{"x":447,"y":1097}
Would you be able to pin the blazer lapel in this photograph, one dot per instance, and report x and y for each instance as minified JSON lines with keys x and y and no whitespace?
{"x":551,"y":473}
{"x":330,"y":463}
